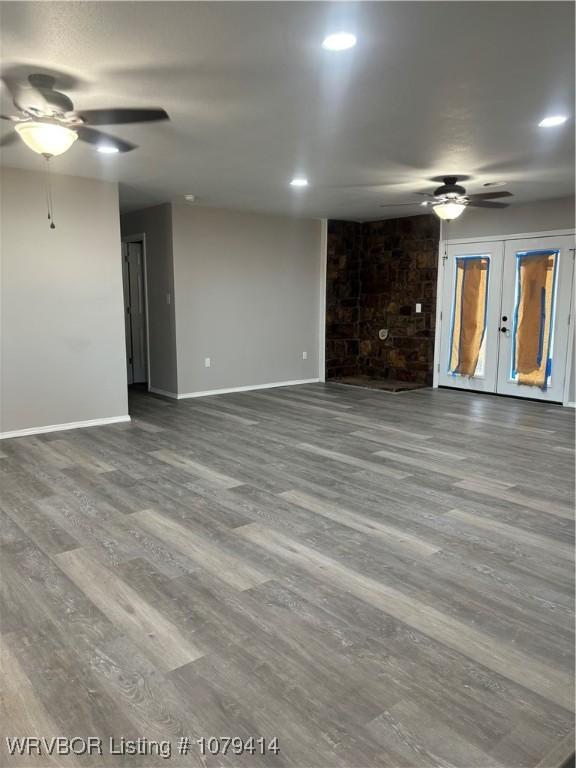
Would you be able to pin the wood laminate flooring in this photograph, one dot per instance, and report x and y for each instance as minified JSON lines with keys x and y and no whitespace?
{"x":376,"y":581}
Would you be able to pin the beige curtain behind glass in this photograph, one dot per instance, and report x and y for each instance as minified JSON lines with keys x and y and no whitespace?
{"x":534,"y":313}
{"x":469,"y":320}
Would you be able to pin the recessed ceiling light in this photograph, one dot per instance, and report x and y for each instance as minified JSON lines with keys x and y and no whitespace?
{"x":494,"y":183}
{"x":106,"y":149}
{"x":339,"y":41}
{"x":553,"y":120}
{"x":299,"y":181}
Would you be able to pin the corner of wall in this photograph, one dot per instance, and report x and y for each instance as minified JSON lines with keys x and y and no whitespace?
{"x":322,"y":300}
{"x":377,"y":271}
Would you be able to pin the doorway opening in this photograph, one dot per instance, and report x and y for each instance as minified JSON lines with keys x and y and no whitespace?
{"x":136,"y":311}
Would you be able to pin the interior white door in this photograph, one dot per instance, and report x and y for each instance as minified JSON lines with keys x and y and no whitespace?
{"x":469,"y":315}
{"x":534,"y":321}
{"x":135,"y":305}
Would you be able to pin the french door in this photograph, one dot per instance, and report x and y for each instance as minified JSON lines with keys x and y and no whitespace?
{"x":505,"y":315}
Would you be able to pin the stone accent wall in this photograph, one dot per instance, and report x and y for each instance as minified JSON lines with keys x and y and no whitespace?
{"x":377,"y":272}
{"x":399,"y":269}
{"x":342,"y":298}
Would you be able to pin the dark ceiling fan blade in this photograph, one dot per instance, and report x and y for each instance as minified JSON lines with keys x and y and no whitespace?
{"x":10,"y":138}
{"x":12,"y":118}
{"x":99,"y":139}
{"x":399,"y":205}
{"x":486,"y":204}
{"x":426,"y":194}
{"x":489,"y":195}
{"x":120,"y":116}
{"x":39,"y":80}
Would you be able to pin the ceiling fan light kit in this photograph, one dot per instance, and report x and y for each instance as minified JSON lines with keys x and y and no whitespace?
{"x":46,"y":138}
{"x":449,"y":211}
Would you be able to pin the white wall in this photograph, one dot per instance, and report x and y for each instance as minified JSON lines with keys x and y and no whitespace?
{"x":518,"y":218}
{"x":247,"y":295}
{"x":156,"y":224}
{"x":62,"y":318}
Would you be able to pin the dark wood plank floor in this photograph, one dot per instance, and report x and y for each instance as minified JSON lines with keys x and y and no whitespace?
{"x":375,"y":579}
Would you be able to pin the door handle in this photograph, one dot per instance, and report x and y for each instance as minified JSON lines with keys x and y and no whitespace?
{"x":503,"y":329}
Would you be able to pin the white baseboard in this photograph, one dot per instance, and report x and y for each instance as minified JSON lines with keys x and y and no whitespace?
{"x":62,"y":427}
{"x":249,"y":388}
{"x":570,"y":405}
{"x":163,"y":392}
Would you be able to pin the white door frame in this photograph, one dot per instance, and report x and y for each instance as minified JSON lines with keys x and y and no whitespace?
{"x":571,"y":358}
{"x":442,"y":246}
{"x":322,"y":300}
{"x":141,"y":238}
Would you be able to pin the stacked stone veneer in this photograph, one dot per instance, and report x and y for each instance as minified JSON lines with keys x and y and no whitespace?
{"x":376,"y":274}
{"x":342,"y":298}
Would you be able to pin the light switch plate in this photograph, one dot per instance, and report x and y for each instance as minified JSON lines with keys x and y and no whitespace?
{"x":418,"y":307}
{"x":207,"y":362}
{"x":304,"y":355}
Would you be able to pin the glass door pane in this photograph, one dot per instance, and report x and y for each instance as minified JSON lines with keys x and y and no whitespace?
{"x":468,"y":317}
{"x":536,"y":294}
{"x":470,"y":310}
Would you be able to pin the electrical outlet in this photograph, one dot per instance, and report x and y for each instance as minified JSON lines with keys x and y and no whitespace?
{"x":207,"y":362}
{"x":418,"y":307}
{"x":304,"y":355}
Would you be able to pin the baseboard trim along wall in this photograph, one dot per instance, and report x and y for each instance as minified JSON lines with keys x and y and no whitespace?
{"x":249,"y":388}
{"x":163,"y":392}
{"x":62,"y":427}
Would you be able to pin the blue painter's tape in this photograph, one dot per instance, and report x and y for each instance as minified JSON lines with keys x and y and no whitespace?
{"x":514,"y":372}
{"x":551,"y":325}
{"x":464,"y":265}
{"x":486,"y":295}
{"x":541,"y":331}
{"x":463,"y":260}
{"x":520,"y":257}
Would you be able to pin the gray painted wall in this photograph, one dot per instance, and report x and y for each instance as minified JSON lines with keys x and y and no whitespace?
{"x":156,"y":224}
{"x":572,"y":386}
{"x":62,"y":318}
{"x":530,"y":217}
{"x":247,"y":295}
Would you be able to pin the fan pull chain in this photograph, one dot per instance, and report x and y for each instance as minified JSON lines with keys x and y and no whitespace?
{"x":46,"y":191}
{"x":49,"y":203}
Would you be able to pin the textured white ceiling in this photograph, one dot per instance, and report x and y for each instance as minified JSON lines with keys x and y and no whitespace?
{"x":431,"y":88}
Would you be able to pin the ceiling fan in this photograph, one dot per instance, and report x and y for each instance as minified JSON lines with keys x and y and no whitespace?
{"x":48,"y":123}
{"x":450,"y":199}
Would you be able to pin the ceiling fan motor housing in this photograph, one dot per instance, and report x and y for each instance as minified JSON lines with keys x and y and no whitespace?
{"x":42,"y":102}
{"x":450,"y":188}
